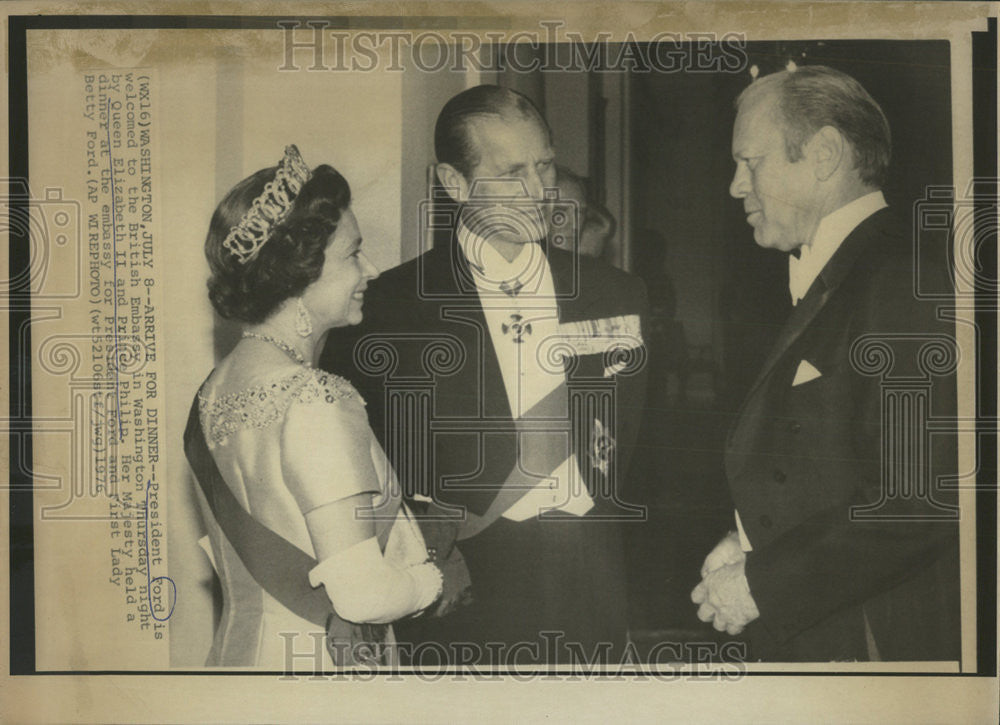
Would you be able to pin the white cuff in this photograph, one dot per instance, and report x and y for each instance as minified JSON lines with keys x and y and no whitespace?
{"x":364,"y":587}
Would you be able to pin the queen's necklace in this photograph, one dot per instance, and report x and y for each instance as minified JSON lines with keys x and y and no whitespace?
{"x":281,"y":345}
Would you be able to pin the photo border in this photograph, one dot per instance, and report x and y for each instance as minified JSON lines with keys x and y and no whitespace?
{"x":21,"y":510}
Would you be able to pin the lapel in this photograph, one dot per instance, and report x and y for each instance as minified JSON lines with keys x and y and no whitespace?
{"x":446,"y":275}
{"x":824,"y":287}
{"x":567,"y":278}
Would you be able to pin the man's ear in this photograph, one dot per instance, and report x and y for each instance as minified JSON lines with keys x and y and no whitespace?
{"x":828,"y":151}
{"x":453,"y":182}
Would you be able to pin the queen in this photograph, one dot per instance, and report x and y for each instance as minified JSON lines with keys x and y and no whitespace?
{"x":309,"y":536}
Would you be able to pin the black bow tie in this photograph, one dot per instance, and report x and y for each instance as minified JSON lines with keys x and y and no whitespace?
{"x":511,"y":289}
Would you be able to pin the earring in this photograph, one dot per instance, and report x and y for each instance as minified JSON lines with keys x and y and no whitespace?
{"x":303,"y":323}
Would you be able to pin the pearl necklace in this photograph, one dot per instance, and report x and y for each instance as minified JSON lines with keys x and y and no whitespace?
{"x":281,"y":345}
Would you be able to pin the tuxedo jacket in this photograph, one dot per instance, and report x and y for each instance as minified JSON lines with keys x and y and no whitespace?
{"x":423,"y":357}
{"x":840,"y":481}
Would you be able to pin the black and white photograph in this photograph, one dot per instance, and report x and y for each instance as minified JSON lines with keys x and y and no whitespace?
{"x":404,"y":349}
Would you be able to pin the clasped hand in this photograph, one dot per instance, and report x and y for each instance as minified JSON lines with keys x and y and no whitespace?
{"x":724,"y":594}
{"x":457,"y":584}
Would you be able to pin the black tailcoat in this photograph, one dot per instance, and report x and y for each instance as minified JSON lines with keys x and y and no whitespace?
{"x":841,"y":482}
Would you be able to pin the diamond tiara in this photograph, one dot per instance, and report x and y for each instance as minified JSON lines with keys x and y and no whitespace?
{"x":270,"y":208}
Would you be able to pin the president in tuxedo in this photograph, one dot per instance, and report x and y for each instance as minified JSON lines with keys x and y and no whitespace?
{"x":504,"y":373}
{"x":845,"y":538}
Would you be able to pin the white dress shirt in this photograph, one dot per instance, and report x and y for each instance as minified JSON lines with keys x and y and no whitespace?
{"x":527,"y":374}
{"x":831,"y":232}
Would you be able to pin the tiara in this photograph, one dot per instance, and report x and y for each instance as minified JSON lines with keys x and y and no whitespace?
{"x":270,"y":208}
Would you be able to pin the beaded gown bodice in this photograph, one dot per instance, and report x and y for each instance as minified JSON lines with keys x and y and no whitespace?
{"x":264,"y":404}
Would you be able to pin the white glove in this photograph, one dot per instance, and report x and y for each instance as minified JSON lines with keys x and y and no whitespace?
{"x":364,"y":587}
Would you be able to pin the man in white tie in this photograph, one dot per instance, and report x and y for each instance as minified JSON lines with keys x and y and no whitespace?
{"x":845,"y":540}
{"x":511,"y":394}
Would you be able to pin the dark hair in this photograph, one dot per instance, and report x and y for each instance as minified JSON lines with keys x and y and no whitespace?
{"x":290,"y":260}
{"x":813,"y":96}
{"x":452,"y":142}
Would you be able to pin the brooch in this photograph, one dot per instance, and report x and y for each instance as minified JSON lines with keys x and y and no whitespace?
{"x":602,"y":447}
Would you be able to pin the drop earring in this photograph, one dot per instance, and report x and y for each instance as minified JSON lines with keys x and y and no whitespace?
{"x":303,"y":323}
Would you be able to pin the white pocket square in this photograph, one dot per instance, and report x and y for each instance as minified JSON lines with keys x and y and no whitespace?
{"x":805,"y":373}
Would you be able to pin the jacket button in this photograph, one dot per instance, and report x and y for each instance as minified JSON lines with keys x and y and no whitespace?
{"x":779,"y":475}
{"x":765,"y":521}
{"x":794,"y":426}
